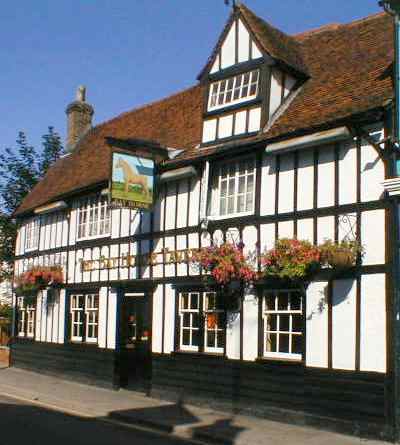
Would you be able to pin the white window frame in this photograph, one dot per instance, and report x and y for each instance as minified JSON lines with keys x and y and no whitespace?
{"x":86,"y":316}
{"x":278,"y":312}
{"x":32,"y":230}
{"x":190,"y":311}
{"x":214,"y":310}
{"x":93,"y":211}
{"x":237,"y":85}
{"x":215,"y":204}
{"x":91,"y":317}
{"x":26,"y":316}
{"x":202,"y":307}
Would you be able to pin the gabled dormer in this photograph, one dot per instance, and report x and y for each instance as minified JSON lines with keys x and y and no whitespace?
{"x":250,"y":74}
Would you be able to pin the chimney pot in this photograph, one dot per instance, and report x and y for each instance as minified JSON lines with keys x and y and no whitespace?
{"x":79,"y":118}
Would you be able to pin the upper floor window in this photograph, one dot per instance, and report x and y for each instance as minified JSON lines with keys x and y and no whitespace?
{"x":283,"y":324}
{"x":84,"y":312}
{"x":93,"y":217}
{"x":26,"y":314}
{"x":201,"y":324}
{"x":233,"y":188}
{"x":234,"y":90}
{"x":32,"y":234}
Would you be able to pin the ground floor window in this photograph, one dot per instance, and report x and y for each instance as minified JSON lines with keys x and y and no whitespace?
{"x":84,"y":315}
{"x":26,"y":314}
{"x":201,"y":323}
{"x":283,"y":324}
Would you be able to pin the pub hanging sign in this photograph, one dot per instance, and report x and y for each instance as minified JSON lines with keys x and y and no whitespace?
{"x":132,"y":181}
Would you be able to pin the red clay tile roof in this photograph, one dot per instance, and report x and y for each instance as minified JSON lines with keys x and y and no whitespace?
{"x":350,"y":73}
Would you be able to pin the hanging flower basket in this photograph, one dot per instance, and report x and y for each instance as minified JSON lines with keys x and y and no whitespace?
{"x":227,"y":271}
{"x":340,"y":256}
{"x":290,"y":264}
{"x":38,"y":278}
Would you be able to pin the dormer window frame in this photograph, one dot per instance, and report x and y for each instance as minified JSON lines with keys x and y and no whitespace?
{"x":226,"y":88}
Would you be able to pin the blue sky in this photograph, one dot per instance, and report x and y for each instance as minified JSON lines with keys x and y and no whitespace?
{"x":127,"y":52}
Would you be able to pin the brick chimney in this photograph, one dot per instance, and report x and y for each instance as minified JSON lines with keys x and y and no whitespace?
{"x":79,"y":118}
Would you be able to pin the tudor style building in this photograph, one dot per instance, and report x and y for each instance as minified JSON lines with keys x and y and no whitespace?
{"x":283,"y":136}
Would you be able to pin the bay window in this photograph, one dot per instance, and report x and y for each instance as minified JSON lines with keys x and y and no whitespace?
{"x":201,"y":324}
{"x":234,"y":90}
{"x":93,"y":217}
{"x":84,"y":316}
{"x":26,"y":315}
{"x":233,"y":189}
{"x":283,"y":324}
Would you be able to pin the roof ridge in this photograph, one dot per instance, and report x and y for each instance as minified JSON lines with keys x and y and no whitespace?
{"x":334,"y":26}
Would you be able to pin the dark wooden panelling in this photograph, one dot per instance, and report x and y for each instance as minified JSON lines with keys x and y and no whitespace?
{"x":86,"y":364}
{"x":263,"y":388}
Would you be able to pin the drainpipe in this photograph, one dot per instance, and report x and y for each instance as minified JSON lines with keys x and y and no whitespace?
{"x":392,"y":7}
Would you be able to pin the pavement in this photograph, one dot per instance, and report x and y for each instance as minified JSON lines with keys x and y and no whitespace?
{"x":184,"y":423}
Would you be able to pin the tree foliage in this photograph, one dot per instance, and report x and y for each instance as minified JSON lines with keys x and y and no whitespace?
{"x":21,"y":168}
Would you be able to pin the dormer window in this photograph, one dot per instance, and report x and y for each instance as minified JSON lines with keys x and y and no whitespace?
{"x":234,"y":90}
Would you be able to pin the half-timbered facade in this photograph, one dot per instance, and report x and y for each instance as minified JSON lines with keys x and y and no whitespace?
{"x":284,"y":136}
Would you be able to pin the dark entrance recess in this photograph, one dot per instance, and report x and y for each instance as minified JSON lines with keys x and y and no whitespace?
{"x":135,"y":341}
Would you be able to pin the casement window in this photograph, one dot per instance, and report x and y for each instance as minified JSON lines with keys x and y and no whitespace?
{"x":26,"y":318}
{"x":233,"y":189}
{"x":234,"y":90}
{"x":201,"y":324}
{"x":32,"y":234}
{"x":283,"y":324}
{"x":84,"y":313}
{"x":93,"y":217}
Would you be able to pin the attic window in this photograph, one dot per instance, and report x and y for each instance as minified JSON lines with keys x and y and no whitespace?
{"x":233,"y":90}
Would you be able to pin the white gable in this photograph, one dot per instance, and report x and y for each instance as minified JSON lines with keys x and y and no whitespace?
{"x":232,"y":51}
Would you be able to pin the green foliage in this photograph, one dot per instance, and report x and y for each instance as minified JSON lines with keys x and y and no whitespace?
{"x":5,"y":311}
{"x":340,"y":255}
{"x":21,"y":168}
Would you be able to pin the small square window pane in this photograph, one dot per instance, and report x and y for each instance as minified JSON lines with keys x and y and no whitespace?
{"x":270,"y":302}
{"x":284,"y":323}
{"x":186,"y":319}
{"x":249,"y":202}
{"x":271,"y":322}
{"x":242,"y":184}
{"x":215,"y":88}
{"x":283,"y":302}
{"x":245,"y":91}
{"x":210,"y":339}
{"x":195,"y":338}
{"x":185,"y":301}
{"x":246,"y":79}
{"x":230,"y":83}
{"x":223,"y":188}
{"x":231,"y":204}
{"x":222,"y":210}
{"x":194,"y":301}
{"x":220,"y":339}
{"x":253,"y":89}
{"x":223,"y":86}
{"x":297,"y":344}
{"x":297,"y":323}
{"x":228,"y":97}
{"x":295,"y":302}
{"x":186,"y":337}
{"x":241,"y":206}
{"x":284,"y":343}
{"x":231,"y":186}
{"x":270,"y":343}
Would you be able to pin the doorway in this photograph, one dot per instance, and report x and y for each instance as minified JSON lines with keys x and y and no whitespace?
{"x":135,"y":341}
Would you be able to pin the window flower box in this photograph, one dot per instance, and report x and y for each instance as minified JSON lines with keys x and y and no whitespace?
{"x":38,"y":278}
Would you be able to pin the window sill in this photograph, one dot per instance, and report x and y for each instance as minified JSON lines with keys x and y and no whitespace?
{"x":280,"y":360}
{"x":233,"y":215}
{"x":91,"y":238}
{"x":199,"y":354}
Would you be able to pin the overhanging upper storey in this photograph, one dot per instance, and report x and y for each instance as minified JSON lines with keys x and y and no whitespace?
{"x":249,"y":75}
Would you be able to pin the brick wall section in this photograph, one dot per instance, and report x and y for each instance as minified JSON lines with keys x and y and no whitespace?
{"x":4,"y":357}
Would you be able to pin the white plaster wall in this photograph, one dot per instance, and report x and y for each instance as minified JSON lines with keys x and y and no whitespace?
{"x":373,"y":323}
{"x":372,"y":174}
{"x":267,"y":236}
{"x":326,"y":177}
{"x":169,"y":319}
{"x":250,"y":326}
{"x":225,"y":126}
{"x":326,"y":228}
{"x":254,"y":119}
{"x":347,"y":173}
{"x":317,"y":324}
{"x":112,"y":318}
{"x":305,"y":180}
{"x":286,"y":184}
{"x":102,"y":332}
{"x":209,"y":130}
{"x":233,"y":335}
{"x":157,"y":319}
{"x":61,"y":323}
{"x":344,"y":324}
{"x":305,"y":229}
{"x":194,"y":202}
{"x":182,"y":203}
{"x":286,"y":229}
{"x":240,"y":122}
{"x":243,"y":43}
{"x":276,"y":91}
{"x":268,"y":185}
{"x":228,"y":48}
{"x":373,"y":236}
{"x":170,"y":206}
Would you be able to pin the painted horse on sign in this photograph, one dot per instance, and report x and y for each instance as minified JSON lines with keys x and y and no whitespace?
{"x":132,"y":178}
